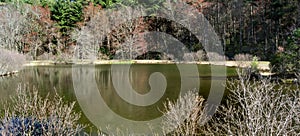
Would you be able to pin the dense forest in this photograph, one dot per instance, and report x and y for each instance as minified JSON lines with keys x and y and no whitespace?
{"x":239,"y":100}
{"x":47,"y":29}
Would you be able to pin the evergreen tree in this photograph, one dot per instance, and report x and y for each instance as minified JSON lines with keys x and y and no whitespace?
{"x":288,"y":59}
{"x":67,"y":13}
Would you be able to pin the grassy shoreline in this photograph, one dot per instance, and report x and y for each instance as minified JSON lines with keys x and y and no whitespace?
{"x":262,"y":65}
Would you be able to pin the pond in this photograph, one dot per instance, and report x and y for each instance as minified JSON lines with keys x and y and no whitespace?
{"x":109,"y":81}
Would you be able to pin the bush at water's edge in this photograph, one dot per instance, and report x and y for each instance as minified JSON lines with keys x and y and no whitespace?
{"x":27,"y":113}
{"x":10,"y":62}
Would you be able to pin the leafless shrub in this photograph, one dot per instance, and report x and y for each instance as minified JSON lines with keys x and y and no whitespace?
{"x":10,"y":61}
{"x":189,"y":56}
{"x":213,"y":56}
{"x":53,"y":116}
{"x":167,"y":56}
{"x":46,"y":56}
{"x":257,"y":108}
{"x":197,"y":56}
{"x":201,"y":55}
{"x":184,"y":116}
{"x":243,"y":57}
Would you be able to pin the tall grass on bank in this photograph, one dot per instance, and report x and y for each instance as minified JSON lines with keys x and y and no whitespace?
{"x":27,"y":113}
{"x":257,"y":108}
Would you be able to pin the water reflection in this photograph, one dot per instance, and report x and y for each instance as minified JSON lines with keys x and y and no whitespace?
{"x":45,"y":79}
{"x":139,"y":78}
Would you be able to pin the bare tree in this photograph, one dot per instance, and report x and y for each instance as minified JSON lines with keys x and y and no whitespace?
{"x":111,"y":32}
{"x":19,"y":29}
{"x":13,"y":26}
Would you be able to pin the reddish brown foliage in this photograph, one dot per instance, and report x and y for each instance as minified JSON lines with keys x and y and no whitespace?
{"x":89,"y":11}
{"x":199,"y":4}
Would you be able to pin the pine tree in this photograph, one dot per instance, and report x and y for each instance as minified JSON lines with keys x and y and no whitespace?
{"x":67,"y":13}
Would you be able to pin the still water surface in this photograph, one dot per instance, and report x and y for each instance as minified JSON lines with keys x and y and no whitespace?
{"x":47,"y":79}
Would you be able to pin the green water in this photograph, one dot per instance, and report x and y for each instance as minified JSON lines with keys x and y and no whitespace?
{"x":47,"y":79}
